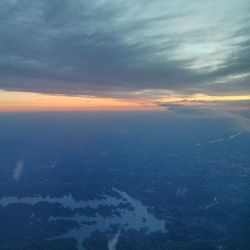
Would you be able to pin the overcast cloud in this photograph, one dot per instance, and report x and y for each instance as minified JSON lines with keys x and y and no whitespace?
{"x":116,"y":48}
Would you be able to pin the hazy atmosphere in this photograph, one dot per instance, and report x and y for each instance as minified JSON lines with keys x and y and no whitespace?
{"x":124,"y":125}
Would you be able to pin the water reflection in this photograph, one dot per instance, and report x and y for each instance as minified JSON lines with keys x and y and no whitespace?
{"x":136,"y":216}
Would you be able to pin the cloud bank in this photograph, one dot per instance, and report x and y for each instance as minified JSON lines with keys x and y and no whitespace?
{"x":119,"y":48}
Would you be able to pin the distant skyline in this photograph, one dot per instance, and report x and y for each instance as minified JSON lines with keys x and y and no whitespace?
{"x":124,"y":55}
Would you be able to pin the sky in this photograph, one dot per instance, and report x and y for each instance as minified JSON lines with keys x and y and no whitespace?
{"x":124,"y":55}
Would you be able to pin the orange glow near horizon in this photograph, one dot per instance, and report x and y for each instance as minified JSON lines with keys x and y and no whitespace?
{"x":206,"y":101}
{"x":31,"y":102}
{"x":205,"y":98}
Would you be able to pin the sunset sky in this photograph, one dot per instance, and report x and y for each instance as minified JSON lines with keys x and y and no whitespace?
{"x":68,"y":55}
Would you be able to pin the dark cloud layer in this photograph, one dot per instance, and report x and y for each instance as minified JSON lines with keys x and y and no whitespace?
{"x":105,"y":47}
